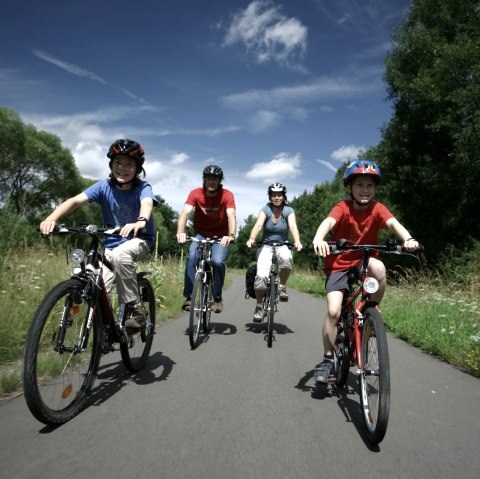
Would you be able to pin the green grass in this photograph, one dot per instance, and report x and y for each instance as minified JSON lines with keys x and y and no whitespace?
{"x":438,"y":316}
{"x":27,"y":276}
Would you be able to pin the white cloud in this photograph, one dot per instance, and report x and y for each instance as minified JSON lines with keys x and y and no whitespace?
{"x":263,"y":120}
{"x":347,"y":153}
{"x":292,"y":96}
{"x":82,"y":72}
{"x":328,"y":165}
{"x":91,"y":159}
{"x":282,"y":166}
{"x":178,"y":158}
{"x":268,"y":34}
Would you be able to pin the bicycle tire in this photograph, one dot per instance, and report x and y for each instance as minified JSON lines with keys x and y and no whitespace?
{"x":341,"y":353}
{"x":271,"y":293}
{"x":136,"y":349}
{"x":57,"y":383}
{"x":375,"y":378}
{"x":208,"y":303}
{"x":196,"y":310}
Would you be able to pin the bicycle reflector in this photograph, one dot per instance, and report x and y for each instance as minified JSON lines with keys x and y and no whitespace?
{"x":77,"y":256}
{"x":370,"y":285}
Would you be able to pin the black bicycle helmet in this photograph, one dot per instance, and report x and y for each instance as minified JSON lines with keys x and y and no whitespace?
{"x":213,"y":170}
{"x":277,"y":188}
{"x":129,"y":148}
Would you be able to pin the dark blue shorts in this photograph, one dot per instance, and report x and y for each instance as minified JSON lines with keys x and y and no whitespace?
{"x":338,"y":280}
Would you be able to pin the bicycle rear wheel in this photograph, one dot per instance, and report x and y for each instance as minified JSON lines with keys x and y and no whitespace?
{"x":208,"y":302}
{"x":271,"y":295}
{"x":375,"y":379}
{"x":57,"y":373}
{"x":341,"y":353}
{"x":196,"y":310}
{"x":136,"y":349}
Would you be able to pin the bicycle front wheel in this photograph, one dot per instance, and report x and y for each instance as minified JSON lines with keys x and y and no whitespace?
{"x":271,"y":294}
{"x":208,"y":302}
{"x":136,"y":349}
{"x":375,"y":378}
{"x":341,"y":353}
{"x":58,"y":371}
{"x":196,"y":310}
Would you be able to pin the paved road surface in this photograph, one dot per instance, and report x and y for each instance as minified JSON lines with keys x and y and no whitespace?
{"x":235,"y":409}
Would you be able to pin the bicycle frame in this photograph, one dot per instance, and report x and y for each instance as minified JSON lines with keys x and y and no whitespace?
{"x":202,"y":296}
{"x":353,"y":308}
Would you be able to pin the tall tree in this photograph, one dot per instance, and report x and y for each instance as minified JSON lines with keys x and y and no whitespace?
{"x":37,"y":173}
{"x":429,"y":149}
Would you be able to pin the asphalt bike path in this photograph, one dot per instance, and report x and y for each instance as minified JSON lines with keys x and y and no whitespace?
{"x":234,"y":408}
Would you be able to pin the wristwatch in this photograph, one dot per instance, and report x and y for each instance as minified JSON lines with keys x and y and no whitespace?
{"x":142,"y":218}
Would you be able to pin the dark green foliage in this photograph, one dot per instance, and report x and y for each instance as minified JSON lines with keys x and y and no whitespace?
{"x":166,"y":225}
{"x":239,"y":255}
{"x":37,"y":173}
{"x":429,"y":149}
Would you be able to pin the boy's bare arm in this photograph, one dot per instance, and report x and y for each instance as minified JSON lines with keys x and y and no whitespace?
{"x":320,"y":246}
{"x":409,"y":243}
{"x":48,"y":224}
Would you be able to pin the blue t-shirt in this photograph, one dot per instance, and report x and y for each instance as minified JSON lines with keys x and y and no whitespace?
{"x":276,"y":232}
{"x":120,"y":207}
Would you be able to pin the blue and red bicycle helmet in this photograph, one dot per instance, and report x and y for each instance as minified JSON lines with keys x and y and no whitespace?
{"x":362,"y":167}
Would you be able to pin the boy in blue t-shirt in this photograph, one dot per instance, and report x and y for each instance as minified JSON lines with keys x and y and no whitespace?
{"x":275,"y":220}
{"x":125,"y":201}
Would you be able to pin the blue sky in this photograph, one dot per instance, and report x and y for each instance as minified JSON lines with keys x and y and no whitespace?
{"x":270,"y":90}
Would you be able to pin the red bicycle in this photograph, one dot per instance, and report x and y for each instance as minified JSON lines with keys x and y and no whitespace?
{"x":362,"y":341}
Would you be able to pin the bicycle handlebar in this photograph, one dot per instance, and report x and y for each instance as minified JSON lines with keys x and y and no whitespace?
{"x":390,"y":246}
{"x":212,"y":240}
{"x":275,"y":244}
{"x":90,"y":229}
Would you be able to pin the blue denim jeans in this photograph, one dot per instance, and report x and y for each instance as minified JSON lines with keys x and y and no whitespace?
{"x":219,"y":253}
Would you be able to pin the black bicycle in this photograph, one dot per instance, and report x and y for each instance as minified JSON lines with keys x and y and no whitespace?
{"x":270,"y":300}
{"x":73,"y":326}
{"x":202,"y":294}
{"x":362,"y":340}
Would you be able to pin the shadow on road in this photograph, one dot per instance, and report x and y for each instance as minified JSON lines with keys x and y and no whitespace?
{"x":113,"y":377}
{"x":262,"y":328}
{"x":347,"y":398}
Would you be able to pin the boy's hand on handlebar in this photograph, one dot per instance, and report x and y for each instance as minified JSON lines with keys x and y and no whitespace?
{"x":131,"y":228}
{"x":47,"y":227}
{"x":411,"y":245}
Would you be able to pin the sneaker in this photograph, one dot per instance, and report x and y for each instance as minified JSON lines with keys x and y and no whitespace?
{"x":137,"y":317}
{"x":324,"y":371}
{"x":187,"y":305}
{"x":217,"y":306}
{"x":282,"y":293}
{"x":258,"y":314}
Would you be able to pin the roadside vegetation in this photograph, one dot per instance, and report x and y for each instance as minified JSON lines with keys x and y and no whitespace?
{"x":439,"y":316}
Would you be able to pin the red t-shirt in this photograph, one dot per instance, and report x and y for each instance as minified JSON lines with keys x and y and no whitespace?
{"x":361,"y":227}
{"x":210,"y":217}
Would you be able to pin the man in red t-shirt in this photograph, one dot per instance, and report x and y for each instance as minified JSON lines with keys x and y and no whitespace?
{"x":358,"y":219}
{"x":214,"y":215}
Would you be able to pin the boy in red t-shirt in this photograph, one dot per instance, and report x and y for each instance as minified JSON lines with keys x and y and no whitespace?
{"x":214,"y":215}
{"x":358,"y":219}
